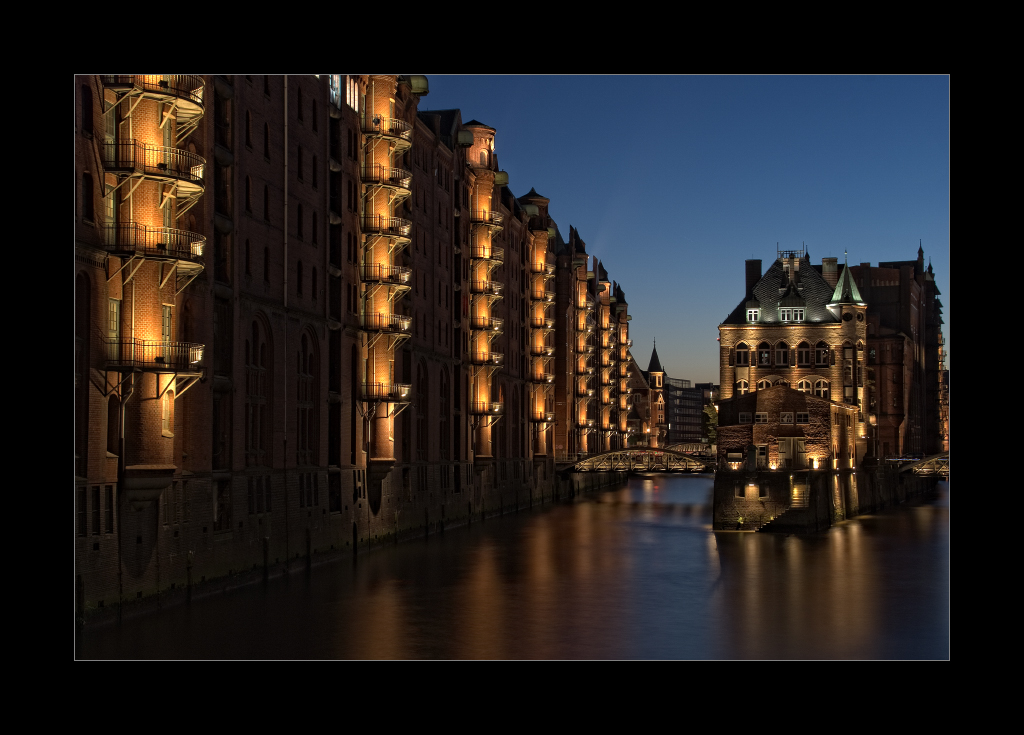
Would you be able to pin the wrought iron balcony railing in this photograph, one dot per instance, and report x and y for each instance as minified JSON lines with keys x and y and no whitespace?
{"x":487,"y":287}
{"x":390,"y":392}
{"x":187,"y":87}
{"x":388,"y":127}
{"x":545,"y":268}
{"x":394,"y":178}
{"x":545,"y":295}
{"x":486,"y":408}
{"x":486,"y":358}
{"x":489,"y":323}
{"x":141,"y":159}
{"x":586,"y":423}
{"x":542,"y":350}
{"x":489,"y":219}
{"x":381,"y":273}
{"x":127,"y":239}
{"x":542,"y":378}
{"x":493,"y":253}
{"x":542,"y":322}
{"x":382,"y":224}
{"x":583,"y":391}
{"x":542,"y":417}
{"x":385,"y":323}
{"x":154,"y":356}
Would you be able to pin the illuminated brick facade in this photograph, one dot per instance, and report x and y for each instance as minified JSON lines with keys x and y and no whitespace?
{"x":309,"y":316}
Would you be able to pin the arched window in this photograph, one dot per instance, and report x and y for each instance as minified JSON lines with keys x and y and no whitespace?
{"x":742,"y":355}
{"x":821,"y":354}
{"x":445,"y":395}
{"x":821,"y":389}
{"x":88,"y":195}
{"x":257,"y":396}
{"x":742,"y":387}
{"x":87,"y":109}
{"x":307,"y":421}
{"x":762,"y":384}
{"x":804,"y":386}
{"x":764,"y":352}
{"x":803,"y":355}
{"x":782,"y":354}
{"x":422,"y":410}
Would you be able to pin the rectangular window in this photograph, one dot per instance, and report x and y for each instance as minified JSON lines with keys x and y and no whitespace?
{"x":83,"y":512}
{"x":760,"y":417}
{"x":752,"y":315}
{"x":95,"y":510}
{"x":798,"y":315}
{"x":744,"y":417}
{"x":802,"y":417}
{"x":786,"y":417}
{"x":109,"y":507}
{"x":786,"y":314}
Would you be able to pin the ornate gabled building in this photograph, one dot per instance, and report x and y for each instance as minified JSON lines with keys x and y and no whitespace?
{"x":800,"y":327}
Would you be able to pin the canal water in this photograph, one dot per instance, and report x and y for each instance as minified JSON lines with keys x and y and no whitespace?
{"x":630,"y":573}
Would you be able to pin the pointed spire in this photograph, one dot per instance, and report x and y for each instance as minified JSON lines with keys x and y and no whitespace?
{"x":655,"y":365}
{"x":846,"y":289}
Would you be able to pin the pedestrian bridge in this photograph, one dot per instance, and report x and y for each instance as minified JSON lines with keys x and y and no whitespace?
{"x":937,"y":464}
{"x":644,"y":459}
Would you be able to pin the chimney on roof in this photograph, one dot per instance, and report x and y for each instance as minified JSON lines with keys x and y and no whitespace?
{"x":753,"y":275}
{"x":830,"y":271}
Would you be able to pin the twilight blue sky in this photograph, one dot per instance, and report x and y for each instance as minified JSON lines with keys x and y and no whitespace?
{"x":674,"y":181}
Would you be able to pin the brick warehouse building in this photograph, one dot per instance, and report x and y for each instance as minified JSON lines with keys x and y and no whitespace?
{"x":309,"y":316}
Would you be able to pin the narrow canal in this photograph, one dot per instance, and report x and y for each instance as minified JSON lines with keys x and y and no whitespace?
{"x":630,"y":573}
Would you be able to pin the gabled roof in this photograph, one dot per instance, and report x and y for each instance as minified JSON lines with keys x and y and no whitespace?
{"x":772,"y":288}
{"x":477,"y":124}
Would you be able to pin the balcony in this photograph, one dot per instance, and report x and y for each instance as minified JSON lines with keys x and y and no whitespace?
{"x":542,"y":417}
{"x":173,"y":165}
{"x":587,"y":306}
{"x":486,"y":358}
{"x":542,"y":350}
{"x":584,"y":392}
{"x":395,"y":130}
{"x":542,"y":295}
{"x":131,"y":239}
{"x":487,"y":219}
{"x":397,"y":275}
{"x":387,"y":323}
{"x":154,"y":356}
{"x":542,"y":378}
{"x":542,"y":322}
{"x":390,"y":392}
{"x":493,"y":253}
{"x":487,"y":323}
{"x":184,"y":89}
{"x":487,"y":408}
{"x":544,"y":268}
{"x":382,"y":224}
{"x":586,"y":423}
{"x":397,"y":179}
{"x":492,"y":288}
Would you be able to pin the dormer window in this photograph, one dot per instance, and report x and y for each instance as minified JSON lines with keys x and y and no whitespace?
{"x":753,"y":315}
{"x":791,"y":315}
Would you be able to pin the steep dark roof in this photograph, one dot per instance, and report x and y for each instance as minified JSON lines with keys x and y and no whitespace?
{"x":477,"y":124}
{"x":655,"y":364}
{"x":810,"y":286}
{"x":846,"y":289}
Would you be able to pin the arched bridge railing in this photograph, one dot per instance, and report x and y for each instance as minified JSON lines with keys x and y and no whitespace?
{"x":937,"y":464}
{"x":643,"y":459}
